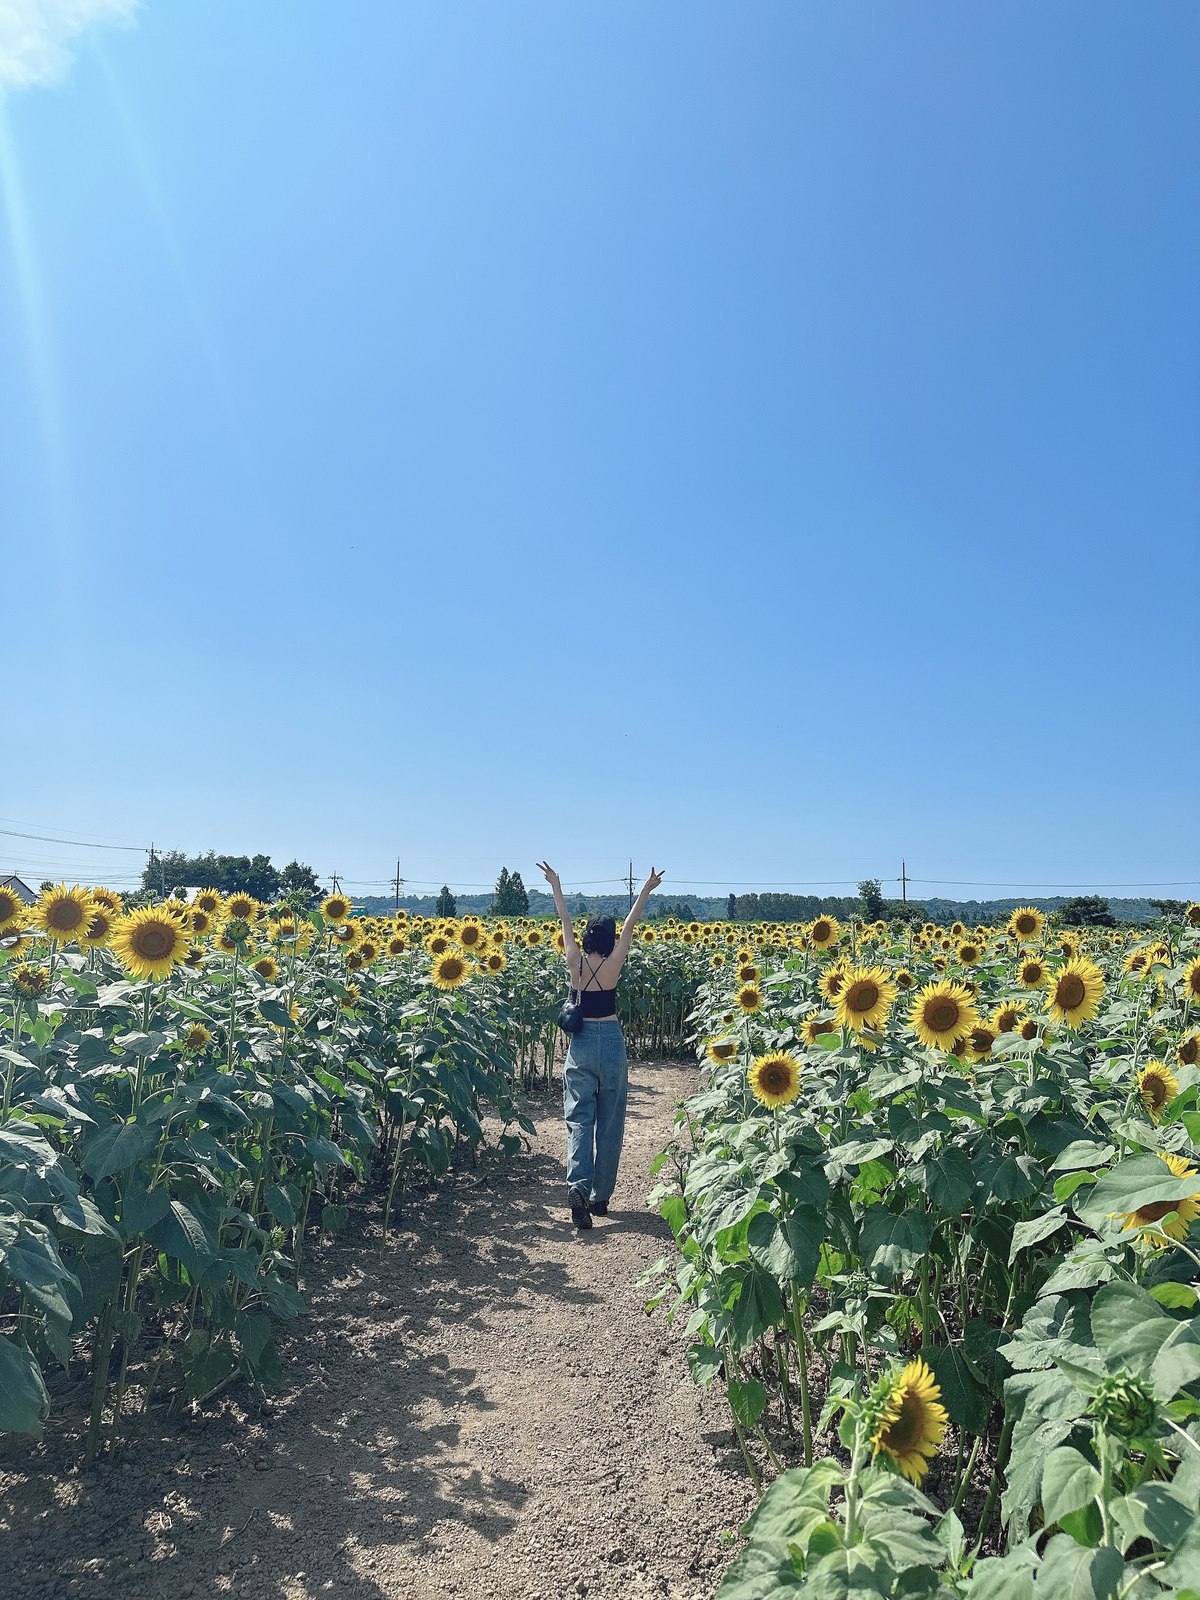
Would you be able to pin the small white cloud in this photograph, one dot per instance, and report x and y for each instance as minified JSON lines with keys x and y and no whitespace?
{"x":37,"y":37}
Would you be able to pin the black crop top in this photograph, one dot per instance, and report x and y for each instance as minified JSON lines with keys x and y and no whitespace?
{"x":595,"y":1003}
{"x":598,"y":1002}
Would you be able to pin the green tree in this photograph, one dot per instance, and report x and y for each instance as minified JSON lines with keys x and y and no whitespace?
{"x":1086,"y":911}
{"x":731,"y":908}
{"x":520,"y":896}
{"x":447,"y":906}
{"x":870,"y":892}
{"x":299,"y":886}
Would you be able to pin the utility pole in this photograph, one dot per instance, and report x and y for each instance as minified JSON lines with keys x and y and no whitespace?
{"x":903,"y":882}
{"x":333,"y":878}
{"x":396,"y":882}
{"x":631,"y":886}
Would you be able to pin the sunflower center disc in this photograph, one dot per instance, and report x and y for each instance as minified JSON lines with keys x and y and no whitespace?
{"x":1071,"y":992}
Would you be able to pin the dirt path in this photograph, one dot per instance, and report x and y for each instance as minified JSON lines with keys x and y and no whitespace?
{"x":485,"y":1410}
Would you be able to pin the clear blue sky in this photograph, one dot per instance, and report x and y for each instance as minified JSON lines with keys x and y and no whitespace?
{"x":760,"y":438}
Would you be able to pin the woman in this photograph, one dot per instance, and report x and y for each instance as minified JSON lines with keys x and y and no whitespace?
{"x":596,"y":1073}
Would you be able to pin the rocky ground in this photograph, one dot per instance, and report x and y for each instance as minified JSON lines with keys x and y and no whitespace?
{"x":482,"y":1409}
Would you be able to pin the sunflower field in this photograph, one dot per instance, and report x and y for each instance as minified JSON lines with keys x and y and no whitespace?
{"x":937,"y":1212}
{"x":189,"y":1091}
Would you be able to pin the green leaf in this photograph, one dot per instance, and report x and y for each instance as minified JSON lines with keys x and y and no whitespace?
{"x":1128,"y":1326}
{"x":1027,"y":1234}
{"x":796,"y":1500}
{"x":789,"y":1250}
{"x":24,"y":1403}
{"x":117,"y":1148}
{"x":746,"y":1401}
{"x":1153,"y":1512}
{"x":764,"y":1572}
{"x":185,"y":1237}
{"x":1140,"y":1181}
{"x":1081,"y":1153}
{"x":704,"y":1362}
{"x":949,"y":1179}
{"x":963,"y":1396}
{"x":1069,"y":1482}
{"x":283,"y":1201}
{"x":893,"y":1244}
{"x":274,"y":1011}
{"x":142,"y":1210}
{"x":1074,"y":1573}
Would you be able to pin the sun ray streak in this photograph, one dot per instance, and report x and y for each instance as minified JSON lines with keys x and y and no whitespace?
{"x":43,"y":374}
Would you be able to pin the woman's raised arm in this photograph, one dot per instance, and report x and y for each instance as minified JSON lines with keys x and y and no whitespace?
{"x":560,"y":905}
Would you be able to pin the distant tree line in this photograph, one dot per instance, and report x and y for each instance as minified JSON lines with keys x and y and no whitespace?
{"x":168,"y":870}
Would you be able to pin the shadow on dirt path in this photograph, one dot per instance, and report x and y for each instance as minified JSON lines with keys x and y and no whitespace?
{"x":482,"y":1409}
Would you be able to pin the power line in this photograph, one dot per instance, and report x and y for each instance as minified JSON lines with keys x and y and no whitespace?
{"x":84,"y":844}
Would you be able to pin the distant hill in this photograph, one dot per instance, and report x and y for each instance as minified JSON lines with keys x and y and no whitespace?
{"x":705,"y":908}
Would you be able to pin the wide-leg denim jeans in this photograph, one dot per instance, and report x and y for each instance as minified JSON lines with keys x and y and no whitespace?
{"x":595,"y":1086}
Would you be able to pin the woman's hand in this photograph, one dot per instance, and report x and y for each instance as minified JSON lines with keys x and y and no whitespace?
{"x":655,"y":878}
{"x":550,"y":875}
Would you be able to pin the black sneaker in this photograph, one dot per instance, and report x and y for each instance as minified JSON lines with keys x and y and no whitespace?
{"x":581,"y":1216}
{"x":598,"y":1208}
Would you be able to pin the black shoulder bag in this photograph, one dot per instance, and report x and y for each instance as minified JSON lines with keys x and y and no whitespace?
{"x":570,"y":1018}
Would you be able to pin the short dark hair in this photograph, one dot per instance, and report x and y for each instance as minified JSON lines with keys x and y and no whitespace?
{"x":599,"y":936}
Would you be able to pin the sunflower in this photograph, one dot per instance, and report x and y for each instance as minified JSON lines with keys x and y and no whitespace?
{"x":747,"y":972}
{"x":903,"y":978}
{"x":749,"y":999}
{"x":1026,"y":922}
{"x":148,"y":943}
{"x":471,"y":935}
{"x":815,"y":1024}
{"x":1028,"y":1029}
{"x":1150,"y":1217}
{"x":717,"y":960}
{"x":201,"y":921}
{"x":1193,"y":915}
{"x":63,"y":913}
{"x":347,"y":934}
{"x":719,"y":1050}
{"x":243,"y":905}
{"x":533,"y":937}
{"x":450,"y":969}
{"x":194,"y":957}
{"x":12,"y":907}
{"x":1137,"y":962}
{"x":942,"y":1013}
{"x":31,"y":980}
{"x":823,"y":933}
{"x":210,"y":901}
{"x":1191,"y":981}
{"x":436,"y":944}
{"x":355,"y":961}
{"x":494,"y":961}
{"x":775,"y":1079}
{"x":1157,"y":1087}
{"x":914,"y":1423}
{"x":1033,"y":974}
{"x":267,"y":967}
{"x":349,"y":998}
{"x":1006,"y":1018}
{"x":979,"y":1042}
{"x":109,"y":899}
{"x":968,"y":953}
{"x":833,"y":980}
{"x":1187,"y":1052}
{"x":335,"y":908}
{"x":196,"y":1038}
{"x":866,"y":998}
{"x":1076,"y":992}
{"x":1068,"y":947}
{"x":369,"y":949}
{"x":99,"y":929}
{"x":396,"y":945}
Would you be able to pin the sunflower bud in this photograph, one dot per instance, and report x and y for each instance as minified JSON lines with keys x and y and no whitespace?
{"x":1125,"y":1406}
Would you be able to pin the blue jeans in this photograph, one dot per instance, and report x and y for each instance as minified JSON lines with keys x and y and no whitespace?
{"x":595,"y":1083}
